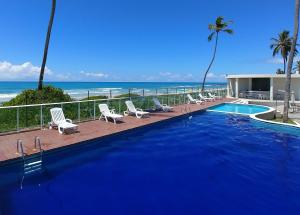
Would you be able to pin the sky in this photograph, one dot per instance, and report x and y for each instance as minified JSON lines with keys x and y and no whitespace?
{"x":139,"y":40}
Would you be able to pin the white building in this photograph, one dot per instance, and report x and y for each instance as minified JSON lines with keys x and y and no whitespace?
{"x":261,"y":86}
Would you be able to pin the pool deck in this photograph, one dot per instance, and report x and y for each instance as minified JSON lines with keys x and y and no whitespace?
{"x":51,"y":139}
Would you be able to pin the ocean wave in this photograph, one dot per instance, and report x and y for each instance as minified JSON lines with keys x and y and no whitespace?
{"x":182,"y":86}
{"x":92,"y":90}
{"x":8,"y":95}
{"x":4,"y":97}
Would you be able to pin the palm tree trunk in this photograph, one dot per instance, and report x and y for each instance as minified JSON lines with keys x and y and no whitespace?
{"x":211,"y":62}
{"x":41,"y":78}
{"x":284,"y":65}
{"x":290,"y":64}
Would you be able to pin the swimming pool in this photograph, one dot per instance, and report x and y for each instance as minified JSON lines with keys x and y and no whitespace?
{"x":212,"y":164}
{"x":239,"y":108}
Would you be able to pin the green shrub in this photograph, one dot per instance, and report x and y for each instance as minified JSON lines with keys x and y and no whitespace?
{"x":127,"y":95}
{"x":48,"y":94}
{"x":94,"y":98}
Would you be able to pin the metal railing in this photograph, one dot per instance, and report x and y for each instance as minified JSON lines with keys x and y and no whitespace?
{"x":34,"y":116}
{"x":111,"y":93}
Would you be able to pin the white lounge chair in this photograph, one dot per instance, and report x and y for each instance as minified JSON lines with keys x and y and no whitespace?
{"x":163,"y":107}
{"x":139,"y":113}
{"x":191,"y":100}
{"x":106,"y":113}
{"x":204,"y":98}
{"x":214,"y":96}
{"x":58,"y":120}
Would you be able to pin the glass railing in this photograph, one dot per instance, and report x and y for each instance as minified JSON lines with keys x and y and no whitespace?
{"x":37,"y":116}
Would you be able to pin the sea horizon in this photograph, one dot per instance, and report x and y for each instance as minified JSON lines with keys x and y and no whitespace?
{"x":79,"y":90}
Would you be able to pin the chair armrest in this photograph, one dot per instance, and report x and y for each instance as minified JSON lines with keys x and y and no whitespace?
{"x":139,"y":109}
{"x":69,"y":120}
{"x":113,"y":111}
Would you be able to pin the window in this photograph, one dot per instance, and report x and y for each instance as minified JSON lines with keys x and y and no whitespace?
{"x":261,"y":84}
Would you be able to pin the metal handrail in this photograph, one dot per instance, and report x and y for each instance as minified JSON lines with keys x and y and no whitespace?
{"x":60,"y":103}
{"x":20,"y":149}
{"x":37,"y":142}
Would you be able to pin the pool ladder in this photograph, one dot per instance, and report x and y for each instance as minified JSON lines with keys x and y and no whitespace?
{"x":33,"y":163}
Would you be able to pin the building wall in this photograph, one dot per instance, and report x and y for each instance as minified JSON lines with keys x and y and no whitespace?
{"x":296,"y":88}
{"x":279,"y":84}
{"x":244,"y":84}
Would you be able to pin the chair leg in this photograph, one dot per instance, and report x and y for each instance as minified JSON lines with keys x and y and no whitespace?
{"x":60,"y":130}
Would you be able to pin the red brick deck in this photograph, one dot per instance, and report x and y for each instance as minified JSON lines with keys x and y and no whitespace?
{"x":51,"y":139}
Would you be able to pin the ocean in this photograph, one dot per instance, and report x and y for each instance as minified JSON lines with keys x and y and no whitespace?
{"x":79,"y":90}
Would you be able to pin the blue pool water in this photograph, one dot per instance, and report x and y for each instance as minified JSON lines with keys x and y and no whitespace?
{"x":212,"y":164}
{"x":239,"y":108}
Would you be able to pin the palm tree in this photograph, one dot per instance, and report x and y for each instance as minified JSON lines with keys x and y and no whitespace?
{"x":42,"y":72}
{"x":219,"y":26}
{"x":283,"y":45}
{"x":297,"y":67}
{"x":279,"y":71}
{"x":290,"y":63}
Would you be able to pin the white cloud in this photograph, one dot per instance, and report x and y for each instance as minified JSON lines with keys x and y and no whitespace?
{"x":29,"y":72}
{"x":211,"y":75}
{"x":63,"y":77}
{"x":275,"y":61}
{"x":20,"y":72}
{"x":215,"y":77}
{"x":94,"y":75}
{"x":169,"y":76}
{"x":149,"y":78}
{"x":165,"y":74}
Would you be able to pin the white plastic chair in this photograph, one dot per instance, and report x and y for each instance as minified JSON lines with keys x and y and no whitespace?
{"x":139,"y":113}
{"x":159,"y":106}
{"x":58,"y":119}
{"x":106,"y":113}
{"x":191,"y":100}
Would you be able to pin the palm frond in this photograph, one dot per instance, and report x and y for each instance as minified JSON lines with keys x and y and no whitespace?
{"x":229,"y":31}
{"x":282,"y":44}
{"x":272,"y":46}
{"x":211,"y":36}
{"x":275,"y":51}
{"x":219,"y":26}
{"x":219,"y":20}
{"x":211,"y":27}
